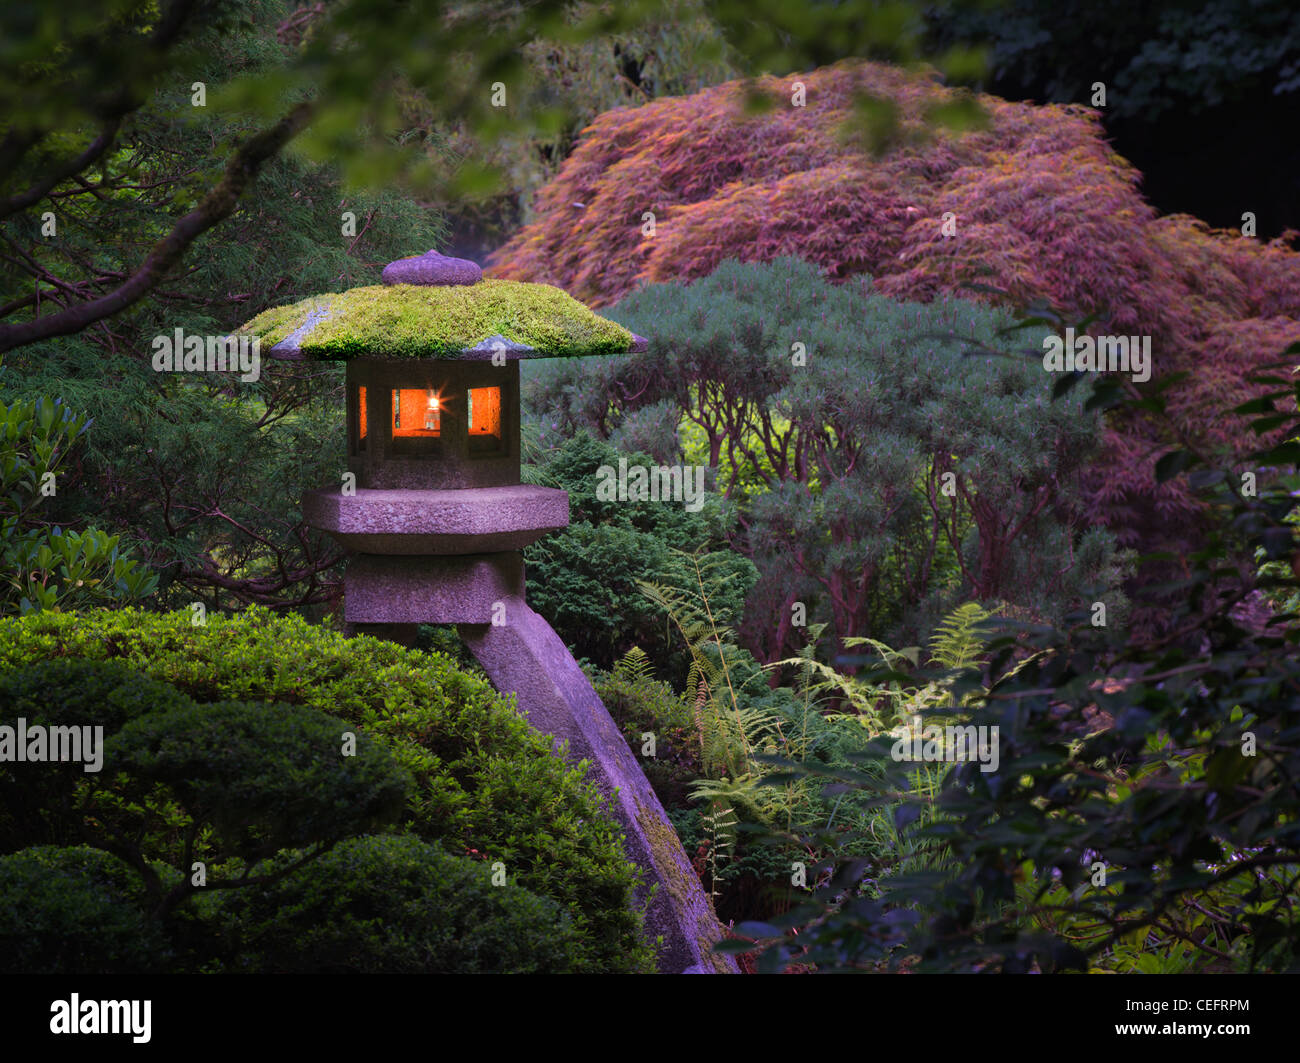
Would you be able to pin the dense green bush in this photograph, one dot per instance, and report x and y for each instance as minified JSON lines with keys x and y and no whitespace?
{"x":187,"y":786}
{"x":583,"y":580}
{"x":264,"y":777}
{"x":43,"y":566}
{"x":76,"y":909}
{"x":484,"y":780}
{"x":74,"y":691}
{"x":397,"y":905}
{"x":41,"y":803}
{"x":245,"y":785}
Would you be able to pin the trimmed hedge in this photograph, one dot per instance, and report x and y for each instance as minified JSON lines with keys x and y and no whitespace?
{"x":485,"y":782}
{"x":259,"y":778}
{"x":388,"y":904}
{"x":38,"y":802}
{"x":266,"y":777}
{"x":254,"y":781}
{"x":74,"y":910}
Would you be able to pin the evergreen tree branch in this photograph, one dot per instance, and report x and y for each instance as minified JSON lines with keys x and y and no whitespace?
{"x":68,"y":168}
{"x":217,"y":205}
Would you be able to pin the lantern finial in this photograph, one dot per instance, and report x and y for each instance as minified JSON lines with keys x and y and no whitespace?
{"x":432,"y":268}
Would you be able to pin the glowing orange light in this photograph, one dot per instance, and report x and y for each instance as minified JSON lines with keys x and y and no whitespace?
{"x":485,"y":412}
{"x":413,"y":415}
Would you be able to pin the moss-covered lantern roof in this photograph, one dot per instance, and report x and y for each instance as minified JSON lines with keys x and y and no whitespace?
{"x":431,"y":306}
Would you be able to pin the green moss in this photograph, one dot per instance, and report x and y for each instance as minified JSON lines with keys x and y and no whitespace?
{"x":271,"y":326}
{"x":435,"y":321}
{"x":670,"y":861}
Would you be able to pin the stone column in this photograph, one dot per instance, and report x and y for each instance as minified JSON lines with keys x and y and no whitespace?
{"x":451,"y":557}
{"x":526,"y":657}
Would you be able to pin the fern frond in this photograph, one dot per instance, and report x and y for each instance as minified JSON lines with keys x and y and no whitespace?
{"x":634,"y":666}
{"x":891,"y":657}
{"x":960,"y":637}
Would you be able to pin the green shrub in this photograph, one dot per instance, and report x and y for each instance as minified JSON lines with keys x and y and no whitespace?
{"x":397,"y":905}
{"x":583,"y":580}
{"x":79,"y":692}
{"x":44,"y":567}
{"x":245,"y":787}
{"x":266,"y":777}
{"x":193,"y":784}
{"x":74,"y":911}
{"x":484,"y":780}
{"x":37,"y":800}
{"x":639,"y":703}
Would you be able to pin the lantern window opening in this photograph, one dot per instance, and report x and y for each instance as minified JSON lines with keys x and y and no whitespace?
{"x":417,"y":413}
{"x":484,"y":424}
{"x":361,"y":418}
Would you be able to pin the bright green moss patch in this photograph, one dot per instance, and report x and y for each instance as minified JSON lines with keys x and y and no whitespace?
{"x":271,"y":326}
{"x":433,"y":321}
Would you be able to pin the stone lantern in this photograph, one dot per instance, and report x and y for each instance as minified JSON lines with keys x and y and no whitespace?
{"x":433,"y":513}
